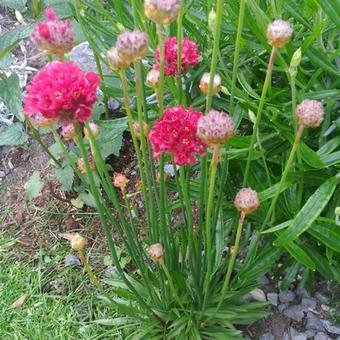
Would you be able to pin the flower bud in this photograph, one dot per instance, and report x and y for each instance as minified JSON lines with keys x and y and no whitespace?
{"x":132,"y":46}
{"x":279,"y":33}
{"x":40,"y":122}
{"x":68,"y":131}
{"x":156,"y":252}
{"x":212,"y":21}
{"x":116,"y":63}
{"x":204,"y":84}
{"x":296,"y":59}
{"x":78,"y":243}
{"x":136,"y":129}
{"x":215,"y":128}
{"x":309,"y":113}
{"x":81,"y":165}
{"x":95,"y":131}
{"x":152,"y":78}
{"x":162,"y":11}
{"x":54,"y":36}
{"x":247,"y":201}
{"x":120,"y":181}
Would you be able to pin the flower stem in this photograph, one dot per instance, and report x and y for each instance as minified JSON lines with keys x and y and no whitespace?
{"x":236,"y":54}
{"x":283,"y":177}
{"x":259,"y":113}
{"x":179,"y":53}
{"x":36,"y":136}
{"x":208,"y":230}
{"x":160,"y":32}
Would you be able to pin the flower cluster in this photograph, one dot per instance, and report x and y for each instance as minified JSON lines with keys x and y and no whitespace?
{"x":190,"y":56}
{"x":54,"y":36}
{"x":247,"y":201}
{"x":309,"y":113}
{"x":162,"y":11}
{"x":176,"y":132}
{"x":279,"y":33}
{"x":132,"y":46}
{"x":62,"y":90}
{"x":216,"y":127}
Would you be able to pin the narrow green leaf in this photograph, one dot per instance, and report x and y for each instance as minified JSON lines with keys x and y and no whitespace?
{"x":300,"y":255}
{"x":278,"y":227}
{"x":310,"y":211}
{"x":331,"y":8}
{"x":326,"y":236}
{"x":321,"y":60}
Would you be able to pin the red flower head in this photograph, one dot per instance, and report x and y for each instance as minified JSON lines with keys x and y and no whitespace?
{"x":176,"y":133}
{"x":190,"y":56}
{"x":54,"y":35}
{"x":62,"y":90}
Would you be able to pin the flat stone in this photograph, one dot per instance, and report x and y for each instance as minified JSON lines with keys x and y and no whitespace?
{"x":295,"y":313}
{"x":310,"y":333}
{"x":262,"y":280}
{"x":325,"y":308}
{"x":72,"y":260}
{"x":302,"y":293}
{"x":282,"y":307}
{"x":322,"y":336}
{"x":2,"y":174}
{"x":330,"y":328}
{"x":287,"y":296}
{"x":286,"y":336}
{"x":256,"y":295}
{"x":169,"y":170}
{"x":310,"y":303}
{"x":267,"y":336}
{"x":273,"y":298}
{"x":297,"y":335}
{"x":322,"y":298}
{"x":313,"y":322}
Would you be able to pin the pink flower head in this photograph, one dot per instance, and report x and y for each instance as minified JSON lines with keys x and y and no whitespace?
{"x":62,"y":90}
{"x":310,"y":113}
{"x":247,"y":201}
{"x":215,"y":127}
{"x":54,"y":36}
{"x":190,"y":56}
{"x":176,"y":133}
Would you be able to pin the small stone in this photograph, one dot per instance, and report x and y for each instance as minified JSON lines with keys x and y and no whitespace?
{"x":113,"y":104}
{"x":295,"y":313}
{"x":169,"y":170}
{"x":310,"y":333}
{"x":262,"y":280}
{"x":325,"y":308}
{"x":330,"y":328}
{"x":282,"y":307}
{"x":322,"y":336}
{"x":267,"y":336}
{"x":256,"y":295}
{"x":273,"y":298}
{"x":309,"y":302}
{"x":313,"y":322}
{"x":287,"y":296}
{"x":2,"y":174}
{"x":322,"y":298}
{"x":71,"y":260}
{"x":302,"y":293}
{"x":297,"y":335}
{"x":285,"y":336}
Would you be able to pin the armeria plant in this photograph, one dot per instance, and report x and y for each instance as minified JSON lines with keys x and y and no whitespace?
{"x":188,"y":279}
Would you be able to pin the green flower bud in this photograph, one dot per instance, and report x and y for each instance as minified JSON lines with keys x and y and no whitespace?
{"x":212,"y":21}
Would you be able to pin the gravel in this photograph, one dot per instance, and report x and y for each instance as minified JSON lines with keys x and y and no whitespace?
{"x":287,"y":296}
{"x":273,"y":298}
{"x":297,"y":335}
{"x":313,"y":322}
{"x":330,"y":328}
{"x":72,"y":260}
{"x":295,"y":313}
{"x":322,"y":336}
{"x":267,"y":336}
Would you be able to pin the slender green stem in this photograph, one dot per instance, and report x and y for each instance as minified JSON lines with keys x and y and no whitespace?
{"x":236,"y":54}
{"x":179,"y":53}
{"x":283,"y":177}
{"x":233,"y":251}
{"x":209,"y":217}
{"x":161,"y":38}
{"x":259,"y":113}
{"x":215,"y":52}
{"x":36,"y":136}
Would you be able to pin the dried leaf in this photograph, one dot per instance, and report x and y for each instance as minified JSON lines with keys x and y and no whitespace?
{"x":18,"y":303}
{"x":68,"y":236}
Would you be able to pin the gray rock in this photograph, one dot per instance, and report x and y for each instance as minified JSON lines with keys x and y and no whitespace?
{"x":113,"y":104}
{"x":72,"y":260}
{"x":256,"y":295}
{"x":2,"y":174}
{"x":295,"y":335}
{"x":322,"y":336}
{"x":302,"y":293}
{"x":273,"y":298}
{"x":330,"y":328}
{"x":282,"y":307}
{"x":267,"y":336}
{"x":286,"y":336}
{"x":295,"y":313}
{"x":313,"y":322}
{"x":310,"y":333}
{"x":169,"y":170}
{"x":325,"y":308}
{"x":287,"y":296}
{"x":83,"y":55}
{"x":310,"y":303}
{"x":262,"y":280}
{"x":322,"y":298}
